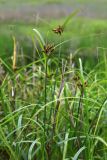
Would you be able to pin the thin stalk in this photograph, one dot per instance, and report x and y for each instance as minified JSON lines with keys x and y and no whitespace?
{"x":45,"y":93}
{"x":45,"y":110}
{"x":78,"y":125}
{"x":14,"y":54}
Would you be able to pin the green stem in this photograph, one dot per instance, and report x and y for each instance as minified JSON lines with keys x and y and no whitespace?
{"x":45,"y":105}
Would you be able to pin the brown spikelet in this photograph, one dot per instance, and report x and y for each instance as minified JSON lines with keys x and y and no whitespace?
{"x":59,"y":30}
{"x":48,"y":49}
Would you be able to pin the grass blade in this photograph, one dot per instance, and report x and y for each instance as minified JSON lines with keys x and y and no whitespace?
{"x":41,"y":40}
{"x":65,"y":145}
{"x":78,"y":153}
{"x":70,"y":17}
{"x":31,"y":148}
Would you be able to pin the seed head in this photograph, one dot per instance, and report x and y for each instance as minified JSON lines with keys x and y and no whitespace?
{"x":48,"y":49}
{"x":59,"y":30}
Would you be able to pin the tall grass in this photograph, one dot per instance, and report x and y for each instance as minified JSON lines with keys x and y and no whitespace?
{"x":53,"y":108}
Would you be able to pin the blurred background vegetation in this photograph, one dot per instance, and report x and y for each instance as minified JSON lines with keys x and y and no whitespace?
{"x":87,"y":31}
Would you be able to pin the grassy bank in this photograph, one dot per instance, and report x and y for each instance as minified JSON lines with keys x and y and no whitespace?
{"x":53,"y":106}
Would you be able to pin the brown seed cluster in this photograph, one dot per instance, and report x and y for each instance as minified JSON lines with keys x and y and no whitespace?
{"x":59,"y":30}
{"x":79,"y":83}
{"x":48,"y":49}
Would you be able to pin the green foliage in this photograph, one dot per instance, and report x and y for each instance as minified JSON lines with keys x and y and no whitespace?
{"x":55,"y":106}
